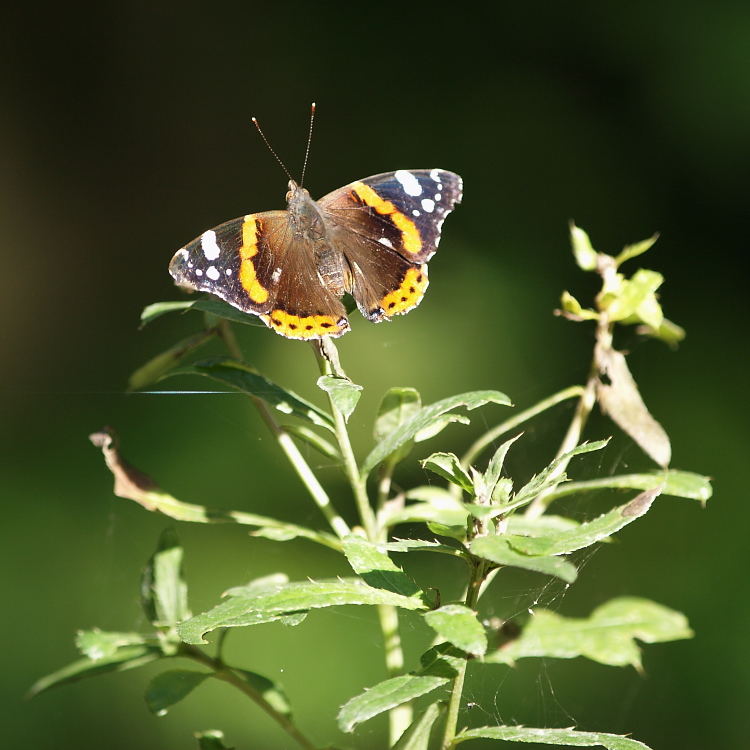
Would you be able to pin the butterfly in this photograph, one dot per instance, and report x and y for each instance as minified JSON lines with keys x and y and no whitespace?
{"x":371,"y":239}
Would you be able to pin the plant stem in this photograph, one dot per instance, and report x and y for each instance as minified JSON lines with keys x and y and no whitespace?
{"x":328,"y":360}
{"x":482,"y":442}
{"x":223,"y":672}
{"x":583,"y":409}
{"x":287,"y":444}
{"x":474,"y":588}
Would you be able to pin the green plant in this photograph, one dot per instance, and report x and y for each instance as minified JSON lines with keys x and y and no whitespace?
{"x":481,"y":517}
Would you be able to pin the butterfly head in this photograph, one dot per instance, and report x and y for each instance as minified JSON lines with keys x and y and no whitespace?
{"x":303,"y":213}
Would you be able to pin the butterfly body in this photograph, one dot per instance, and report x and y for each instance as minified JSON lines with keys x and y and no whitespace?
{"x":370,"y":239}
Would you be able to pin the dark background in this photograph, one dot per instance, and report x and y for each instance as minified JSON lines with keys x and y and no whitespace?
{"x":124,"y":132}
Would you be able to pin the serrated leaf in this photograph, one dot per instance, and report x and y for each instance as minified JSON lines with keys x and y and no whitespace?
{"x":372,"y":562}
{"x":584,"y":253}
{"x":209,"y":305}
{"x":458,"y":625}
{"x":211,"y":739}
{"x":157,"y":367}
{"x":421,"y":545}
{"x":323,"y":446}
{"x":588,"y":533}
{"x":163,"y":588}
{"x":439,"y":666}
{"x":245,"y":379}
{"x":550,"y":475}
{"x":343,"y":393}
{"x":438,"y":425}
{"x":673,"y":482}
{"x":423,"y":418}
{"x":540,"y":526}
{"x":100,"y":644}
{"x":171,"y":687}
{"x":417,"y":735}
{"x":636,"y":249}
{"x":621,"y":401}
{"x":243,"y":608}
{"x":495,"y":466}
{"x":448,"y":466}
{"x":566,"y":737}
{"x":498,"y":550}
{"x":124,"y":658}
{"x":607,"y":636}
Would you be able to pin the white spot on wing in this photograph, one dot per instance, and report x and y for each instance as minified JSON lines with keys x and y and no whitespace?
{"x":438,"y":196}
{"x":385,"y":241}
{"x":428,"y":205}
{"x":209,"y":246}
{"x":409,"y":182}
{"x":435,"y":174}
{"x":275,"y":275}
{"x":198,"y":272}
{"x":212,"y":273}
{"x":228,"y":272}
{"x":182,"y":252}
{"x":415,"y":212}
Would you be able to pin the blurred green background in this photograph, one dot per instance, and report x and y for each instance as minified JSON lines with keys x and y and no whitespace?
{"x":124,"y":132}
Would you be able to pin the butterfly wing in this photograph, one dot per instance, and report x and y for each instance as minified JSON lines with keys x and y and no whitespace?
{"x":255,"y":264}
{"x":388,"y":226}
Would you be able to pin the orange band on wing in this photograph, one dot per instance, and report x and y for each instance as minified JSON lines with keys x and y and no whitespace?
{"x":408,"y":229}
{"x":308,"y":327}
{"x":408,"y":295}
{"x":249,"y":249}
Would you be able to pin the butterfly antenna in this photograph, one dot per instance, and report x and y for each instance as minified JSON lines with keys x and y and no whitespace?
{"x":270,"y":148}
{"x":309,"y":141}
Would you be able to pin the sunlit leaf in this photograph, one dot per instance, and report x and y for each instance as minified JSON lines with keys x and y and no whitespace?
{"x":584,"y":253}
{"x":171,"y":687}
{"x":607,"y":636}
{"x":251,"y":608}
{"x":636,"y":249}
{"x":100,"y":644}
{"x":458,"y":625}
{"x":585,"y":534}
{"x":565,"y":737}
{"x":423,"y":418}
{"x":372,"y":562}
{"x":270,"y":691}
{"x":211,"y":739}
{"x":323,"y":446}
{"x":573,"y":309}
{"x":498,"y":550}
{"x":243,"y":378}
{"x":668,"y":332}
{"x":344,"y":394}
{"x":448,"y":466}
{"x":417,"y":735}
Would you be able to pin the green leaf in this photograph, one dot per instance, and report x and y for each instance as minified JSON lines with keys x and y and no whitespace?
{"x":163,"y":589}
{"x":436,"y":505}
{"x":565,"y":737}
{"x":448,"y":466}
{"x":607,"y":636}
{"x":541,"y":526}
{"x":549,"y":476}
{"x":421,"y":545}
{"x":323,"y":446}
{"x":670,"y":333}
{"x":210,"y":305}
{"x":620,"y":400}
{"x":171,"y":687}
{"x":588,"y":533}
{"x":99,"y":644}
{"x":498,"y":550}
{"x":423,"y":418}
{"x":636,"y":249}
{"x":245,"y":379}
{"x":250,"y":608}
{"x":376,"y":568}
{"x":157,"y":367}
{"x":343,"y":393}
{"x":211,"y":739}
{"x":438,"y":425}
{"x":585,"y":255}
{"x":124,"y":658}
{"x":439,"y":666}
{"x":634,"y":295}
{"x":397,"y":407}
{"x":268,"y":689}
{"x":458,"y":625}
{"x":495,"y":466}
{"x":673,"y":482}
{"x":572,"y":308}
{"x":417,"y":736}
